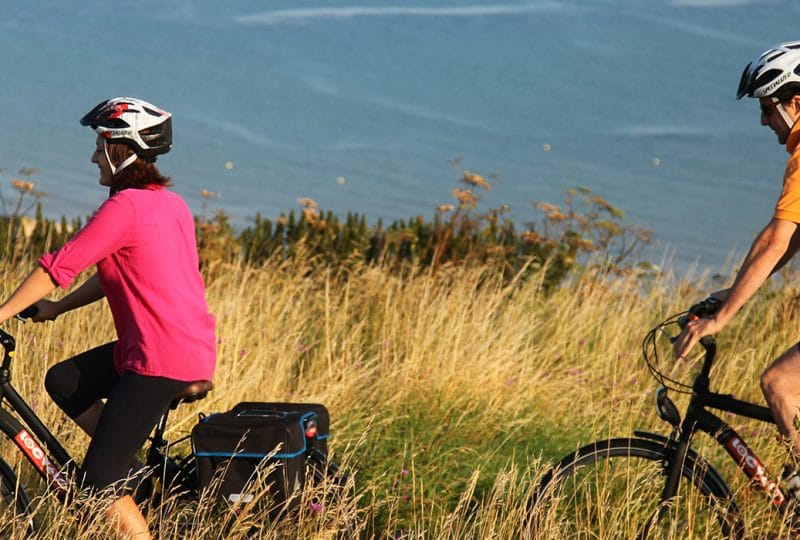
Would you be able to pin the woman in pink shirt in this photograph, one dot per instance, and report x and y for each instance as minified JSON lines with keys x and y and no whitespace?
{"x":142,"y":242}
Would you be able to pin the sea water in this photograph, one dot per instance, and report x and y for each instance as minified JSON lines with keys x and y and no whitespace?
{"x":378,"y":106}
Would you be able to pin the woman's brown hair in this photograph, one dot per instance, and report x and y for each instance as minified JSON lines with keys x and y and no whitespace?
{"x":137,"y":175}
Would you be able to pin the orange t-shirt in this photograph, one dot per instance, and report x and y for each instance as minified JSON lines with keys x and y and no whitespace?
{"x":788,"y":206}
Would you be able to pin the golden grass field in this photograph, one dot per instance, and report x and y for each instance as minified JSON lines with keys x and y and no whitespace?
{"x":449,"y":394}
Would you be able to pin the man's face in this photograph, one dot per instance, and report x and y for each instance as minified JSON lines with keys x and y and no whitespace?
{"x":771,"y":116}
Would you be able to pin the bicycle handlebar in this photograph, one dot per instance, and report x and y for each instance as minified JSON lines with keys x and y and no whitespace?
{"x":27,"y":313}
{"x":705,"y":308}
{"x":7,"y":341}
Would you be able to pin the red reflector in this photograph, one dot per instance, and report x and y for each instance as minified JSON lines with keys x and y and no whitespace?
{"x":311,"y":431}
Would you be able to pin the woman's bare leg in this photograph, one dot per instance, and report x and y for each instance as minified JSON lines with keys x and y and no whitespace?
{"x":129,"y":520}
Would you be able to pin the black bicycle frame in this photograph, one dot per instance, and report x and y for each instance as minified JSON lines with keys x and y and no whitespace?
{"x":49,"y":458}
{"x":699,"y":419}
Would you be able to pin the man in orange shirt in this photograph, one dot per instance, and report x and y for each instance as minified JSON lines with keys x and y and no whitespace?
{"x":773,"y":78}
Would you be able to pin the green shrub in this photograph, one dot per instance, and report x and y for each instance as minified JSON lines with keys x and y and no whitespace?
{"x":563,"y":238}
{"x":584,"y":229}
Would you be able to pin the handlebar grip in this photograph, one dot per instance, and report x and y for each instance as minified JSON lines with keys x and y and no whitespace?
{"x":707,"y":307}
{"x":28,"y":312}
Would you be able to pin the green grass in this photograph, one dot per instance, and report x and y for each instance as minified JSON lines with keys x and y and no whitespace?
{"x":449,"y":394}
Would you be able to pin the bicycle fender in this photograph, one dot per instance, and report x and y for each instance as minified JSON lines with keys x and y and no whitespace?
{"x":652,"y":436}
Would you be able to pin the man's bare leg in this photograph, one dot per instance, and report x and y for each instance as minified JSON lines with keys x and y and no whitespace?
{"x":781,"y":386}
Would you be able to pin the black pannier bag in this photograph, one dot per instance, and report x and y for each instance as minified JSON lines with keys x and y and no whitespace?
{"x":259,"y":446}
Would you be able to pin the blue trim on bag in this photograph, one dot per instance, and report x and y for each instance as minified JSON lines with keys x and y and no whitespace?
{"x":259,"y":455}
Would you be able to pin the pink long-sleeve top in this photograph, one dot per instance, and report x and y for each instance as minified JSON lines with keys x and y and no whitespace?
{"x":143,"y":243}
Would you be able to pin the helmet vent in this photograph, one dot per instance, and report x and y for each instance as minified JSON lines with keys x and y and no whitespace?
{"x":766,"y":78}
{"x":778,"y":54}
{"x":116,"y":123}
{"x":151,"y":135}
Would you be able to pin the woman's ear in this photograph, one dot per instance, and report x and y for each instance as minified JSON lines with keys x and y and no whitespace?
{"x":795,"y":103}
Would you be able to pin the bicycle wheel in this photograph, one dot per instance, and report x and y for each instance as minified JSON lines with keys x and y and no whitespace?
{"x":321,"y":469}
{"x":15,"y":517}
{"x":337,"y":490}
{"x":612,"y":489}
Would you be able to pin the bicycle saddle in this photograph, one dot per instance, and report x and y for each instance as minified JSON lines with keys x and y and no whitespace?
{"x":195,"y":391}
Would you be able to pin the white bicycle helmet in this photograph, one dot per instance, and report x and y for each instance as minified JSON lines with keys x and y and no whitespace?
{"x":145,"y":128}
{"x":770,"y":72}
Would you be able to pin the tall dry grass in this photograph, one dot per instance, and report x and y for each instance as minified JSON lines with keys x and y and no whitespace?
{"x":449,"y":394}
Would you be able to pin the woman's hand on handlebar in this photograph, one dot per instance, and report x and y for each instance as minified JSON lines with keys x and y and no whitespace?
{"x":44,"y":310}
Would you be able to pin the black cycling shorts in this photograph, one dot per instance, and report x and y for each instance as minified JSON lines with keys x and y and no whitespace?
{"x":134,"y":404}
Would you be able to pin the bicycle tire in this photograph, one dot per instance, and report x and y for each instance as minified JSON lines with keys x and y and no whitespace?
{"x":612,"y":489}
{"x":15,"y":501}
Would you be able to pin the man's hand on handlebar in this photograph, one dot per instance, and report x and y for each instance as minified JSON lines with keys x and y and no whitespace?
{"x":697,"y":323}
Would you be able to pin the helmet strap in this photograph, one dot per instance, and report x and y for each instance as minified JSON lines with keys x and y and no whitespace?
{"x":116,"y":170}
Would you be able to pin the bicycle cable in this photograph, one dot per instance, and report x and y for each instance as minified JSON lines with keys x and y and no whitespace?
{"x":652,"y":359}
